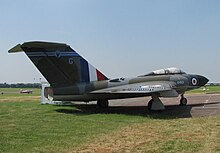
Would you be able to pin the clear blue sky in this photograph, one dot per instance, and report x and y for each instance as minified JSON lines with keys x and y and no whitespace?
{"x":119,"y":37}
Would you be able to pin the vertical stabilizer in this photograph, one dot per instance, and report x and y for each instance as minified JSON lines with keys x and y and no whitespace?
{"x":59,"y":63}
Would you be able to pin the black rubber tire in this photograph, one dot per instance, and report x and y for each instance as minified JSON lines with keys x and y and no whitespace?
{"x":183,"y":101}
{"x":102,"y":103}
{"x":149,"y":105}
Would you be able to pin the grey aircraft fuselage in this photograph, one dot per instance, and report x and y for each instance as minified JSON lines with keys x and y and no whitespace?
{"x":84,"y":92}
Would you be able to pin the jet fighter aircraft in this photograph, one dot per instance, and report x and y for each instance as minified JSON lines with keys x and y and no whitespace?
{"x":72,"y":78}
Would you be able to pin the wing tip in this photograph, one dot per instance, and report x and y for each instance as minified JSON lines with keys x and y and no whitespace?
{"x":16,"y":49}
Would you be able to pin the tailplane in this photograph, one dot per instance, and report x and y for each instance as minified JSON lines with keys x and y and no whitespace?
{"x":59,"y":63}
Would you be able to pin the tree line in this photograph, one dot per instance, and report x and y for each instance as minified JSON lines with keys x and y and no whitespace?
{"x":20,"y":85}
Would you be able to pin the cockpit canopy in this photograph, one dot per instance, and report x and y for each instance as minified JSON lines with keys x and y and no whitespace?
{"x":166,"y":71}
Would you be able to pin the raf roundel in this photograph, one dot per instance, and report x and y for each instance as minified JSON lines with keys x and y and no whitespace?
{"x":194,"y":81}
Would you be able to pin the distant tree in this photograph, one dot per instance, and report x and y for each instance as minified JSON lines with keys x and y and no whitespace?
{"x":20,"y":85}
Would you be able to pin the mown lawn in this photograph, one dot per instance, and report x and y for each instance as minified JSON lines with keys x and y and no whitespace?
{"x":28,"y":126}
{"x":31,"y":127}
{"x":15,"y":92}
{"x":162,"y":135}
{"x":207,"y":90}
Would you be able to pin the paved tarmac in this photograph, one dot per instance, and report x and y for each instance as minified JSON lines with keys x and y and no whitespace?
{"x":198,"y":105}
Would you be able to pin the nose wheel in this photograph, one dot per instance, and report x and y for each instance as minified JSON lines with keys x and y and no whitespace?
{"x":183,"y":100}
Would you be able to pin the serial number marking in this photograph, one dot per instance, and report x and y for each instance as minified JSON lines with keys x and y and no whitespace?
{"x":180,"y":82}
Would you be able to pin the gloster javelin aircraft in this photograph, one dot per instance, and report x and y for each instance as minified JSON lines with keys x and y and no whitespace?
{"x":72,"y":78}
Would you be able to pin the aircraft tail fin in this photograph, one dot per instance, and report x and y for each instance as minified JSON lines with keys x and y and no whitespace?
{"x":59,"y":63}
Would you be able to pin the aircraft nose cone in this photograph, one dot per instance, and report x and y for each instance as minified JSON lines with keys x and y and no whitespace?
{"x":202,"y":80}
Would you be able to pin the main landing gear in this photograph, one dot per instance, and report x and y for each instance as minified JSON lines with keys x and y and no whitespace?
{"x":183,"y":100}
{"x":156,"y":104}
{"x":102,"y":103}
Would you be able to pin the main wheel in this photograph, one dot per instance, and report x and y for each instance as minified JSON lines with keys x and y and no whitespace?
{"x":183,"y":101}
{"x":102,"y":103}
{"x":150,"y":104}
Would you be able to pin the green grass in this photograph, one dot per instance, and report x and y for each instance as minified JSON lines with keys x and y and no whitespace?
{"x":207,"y":89}
{"x":162,"y":135}
{"x":31,"y":127}
{"x":28,"y":126}
{"x":16,"y":92}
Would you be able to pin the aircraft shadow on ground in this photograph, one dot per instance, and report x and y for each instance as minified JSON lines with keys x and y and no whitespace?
{"x":171,"y":111}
